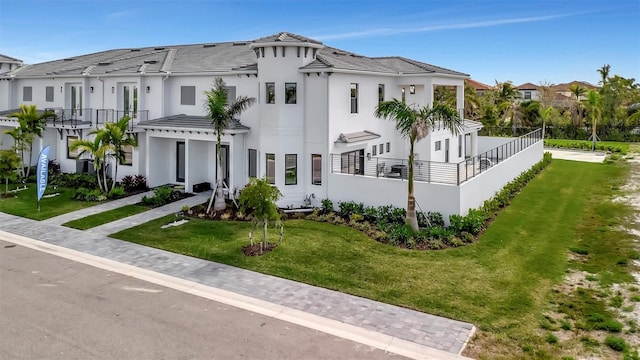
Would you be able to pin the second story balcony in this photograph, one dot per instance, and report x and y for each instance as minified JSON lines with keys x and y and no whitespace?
{"x":70,"y":118}
{"x":103,"y":116}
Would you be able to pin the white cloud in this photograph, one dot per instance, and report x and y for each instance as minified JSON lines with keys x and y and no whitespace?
{"x":448,"y":26}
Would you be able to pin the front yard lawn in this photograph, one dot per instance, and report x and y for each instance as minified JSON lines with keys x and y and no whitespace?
{"x":502,"y":283}
{"x":106,"y":217}
{"x":24,"y":203}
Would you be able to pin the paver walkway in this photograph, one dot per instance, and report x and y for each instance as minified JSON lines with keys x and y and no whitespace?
{"x":102,"y":207}
{"x":420,"y":328}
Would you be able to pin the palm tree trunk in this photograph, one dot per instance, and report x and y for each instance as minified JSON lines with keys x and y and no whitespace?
{"x":593,"y":135}
{"x":219,"y":204}
{"x":30,"y":158}
{"x":104,"y":176}
{"x":412,"y":219}
{"x":115,"y":174}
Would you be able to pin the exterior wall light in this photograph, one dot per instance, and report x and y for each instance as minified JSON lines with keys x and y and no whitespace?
{"x":91,"y":89}
{"x":148,"y":89}
{"x":113,"y":89}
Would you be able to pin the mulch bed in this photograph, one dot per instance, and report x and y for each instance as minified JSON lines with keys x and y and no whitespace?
{"x":254,"y":250}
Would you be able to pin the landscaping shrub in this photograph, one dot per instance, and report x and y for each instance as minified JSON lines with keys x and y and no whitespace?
{"x":132,"y":183}
{"x":84,"y":194}
{"x":116,"y":192}
{"x":75,"y":181}
{"x":586,"y":145}
{"x":327,"y":206}
{"x":400,"y":234}
{"x":161,"y":196}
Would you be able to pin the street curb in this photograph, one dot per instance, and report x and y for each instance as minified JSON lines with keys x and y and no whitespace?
{"x":333,"y":327}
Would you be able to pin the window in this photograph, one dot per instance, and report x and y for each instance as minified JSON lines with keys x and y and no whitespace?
{"x":27,"y":93}
{"x":354,"y":98}
{"x":388,"y":147}
{"x":71,"y":154}
{"x":374,"y":149}
{"x":459,"y":145}
{"x":381,"y":149}
{"x":380,"y":93}
{"x":271,"y":168}
{"x":438,"y":145}
{"x":187,"y":95}
{"x":48,"y":94}
{"x":271,"y":92}
{"x":412,"y":89}
{"x":127,"y":158}
{"x":404,"y":97}
{"x":253,"y":163}
{"x":231,"y":95}
{"x":527,"y":95}
{"x":290,"y":90}
{"x":352,"y":162}
{"x":316,"y":169}
{"x":291,"y":169}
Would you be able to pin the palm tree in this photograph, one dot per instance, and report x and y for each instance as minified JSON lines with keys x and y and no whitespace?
{"x":18,"y":145}
{"x":100,"y":151}
{"x":505,"y":99}
{"x":415,"y":124}
{"x":604,"y":73}
{"x":594,"y":109}
{"x":546,"y":115}
{"x":577,"y":90}
{"x":32,"y":123}
{"x":116,"y":135}
{"x":222,"y":113}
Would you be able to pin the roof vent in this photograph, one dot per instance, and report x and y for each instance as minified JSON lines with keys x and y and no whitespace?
{"x":339,"y":53}
{"x":104,"y":63}
{"x":68,"y":59}
{"x":239,"y":43}
{"x":208,"y":45}
{"x":135,"y":49}
{"x":159,"y":48}
{"x":356,"y":56}
{"x":151,"y":61}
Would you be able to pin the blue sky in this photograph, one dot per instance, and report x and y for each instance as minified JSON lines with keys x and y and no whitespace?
{"x":521,"y":41}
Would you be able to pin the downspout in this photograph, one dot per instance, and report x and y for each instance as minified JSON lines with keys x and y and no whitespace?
{"x":328,"y":141}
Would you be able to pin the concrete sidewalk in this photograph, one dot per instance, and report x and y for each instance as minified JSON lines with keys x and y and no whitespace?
{"x":330,"y":311}
{"x":576,"y":155}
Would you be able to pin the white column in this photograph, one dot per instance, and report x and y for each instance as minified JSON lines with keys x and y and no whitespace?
{"x":460,"y":98}
{"x":428,"y":93}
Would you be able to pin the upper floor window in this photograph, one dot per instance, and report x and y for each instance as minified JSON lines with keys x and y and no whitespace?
{"x":271,"y":92}
{"x":527,"y":95}
{"x":374,"y":149}
{"x":290,"y":93}
{"x":48,"y":94}
{"x":404,"y":97}
{"x":27,"y":93}
{"x":380,"y":93}
{"x":187,"y":95}
{"x":388,"y":146}
{"x":354,"y":98}
{"x":271,"y":168}
{"x":438,"y":145}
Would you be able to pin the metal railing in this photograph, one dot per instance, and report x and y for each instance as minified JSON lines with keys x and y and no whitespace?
{"x":110,"y":115}
{"x":431,"y":171}
{"x":70,"y":117}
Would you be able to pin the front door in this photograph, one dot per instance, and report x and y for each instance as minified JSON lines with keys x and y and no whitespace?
{"x":129,"y":100}
{"x":76,"y":100}
{"x":446,"y":150}
{"x":180,"y":161}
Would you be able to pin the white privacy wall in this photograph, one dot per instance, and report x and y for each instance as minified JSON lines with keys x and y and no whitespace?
{"x":486,"y":143}
{"x":474,"y":192}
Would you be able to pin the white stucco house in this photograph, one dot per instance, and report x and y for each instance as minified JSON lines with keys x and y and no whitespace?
{"x":312,"y":131}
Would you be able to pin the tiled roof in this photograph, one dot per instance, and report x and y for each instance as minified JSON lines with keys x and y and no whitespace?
{"x":527,"y":86}
{"x":9,"y":59}
{"x":183,"y":121}
{"x":217,"y":57}
{"x":565,"y":86}
{"x":477,"y":85}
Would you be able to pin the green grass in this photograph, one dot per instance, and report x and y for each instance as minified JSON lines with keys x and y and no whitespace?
{"x":24,"y":204}
{"x":502,"y":283}
{"x":612,"y":146}
{"x":106,"y":217}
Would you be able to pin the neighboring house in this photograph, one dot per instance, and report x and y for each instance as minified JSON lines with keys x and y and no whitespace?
{"x":480,"y":88}
{"x":8,"y":63}
{"x":312,"y":131}
{"x":564,"y":89}
{"x":528,"y":91}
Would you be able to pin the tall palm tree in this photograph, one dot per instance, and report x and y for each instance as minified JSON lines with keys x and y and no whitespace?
{"x":594,"y":109}
{"x":416,"y":124}
{"x":222,"y":113}
{"x":100,"y":151}
{"x":577,"y":90}
{"x":604,"y":73}
{"x":116,"y":134}
{"x":32,"y":124}
{"x":546,"y":114}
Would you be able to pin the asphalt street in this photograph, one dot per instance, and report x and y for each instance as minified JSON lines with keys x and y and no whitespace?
{"x":54,"y":308}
